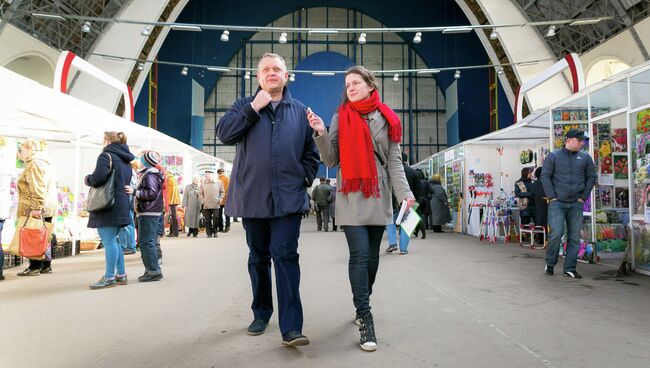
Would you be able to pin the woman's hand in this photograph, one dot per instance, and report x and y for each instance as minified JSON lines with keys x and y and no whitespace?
{"x":315,"y":122}
{"x":128,"y":189}
{"x":410,"y":202}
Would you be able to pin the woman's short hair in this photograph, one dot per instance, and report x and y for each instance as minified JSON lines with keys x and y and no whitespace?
{"x":365,"y":74}
{"x":115,"y":137}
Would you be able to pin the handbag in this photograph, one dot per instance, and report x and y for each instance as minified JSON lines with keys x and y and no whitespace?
{"x":33,"y":241}
{"x":30,"y":223}
{"x":102,"y":198}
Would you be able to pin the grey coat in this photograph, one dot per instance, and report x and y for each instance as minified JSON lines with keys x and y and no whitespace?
{"x":353,"y":208}
{"x":440,"y":214}
{"x":192,"y":205}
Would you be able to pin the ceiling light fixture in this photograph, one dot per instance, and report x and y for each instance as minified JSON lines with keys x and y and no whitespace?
{"x":292,"y":77}
{"x":184,"y":71}
{"x":551,"y":31}
{"x":47,"y":16}
{"x":585,"y":22}
{"x":494,"y":35}
{"x":85,"y":28}
{"x":146,"y":31}
{"x":499,"y":69}
{"x":396,"y":77}
{"x":140,"y":66}
{"x":362,"y":39}
{"x":457,"y":74}
{"x":247,"y":75}
{"x":218,"y":69}
{"x":454,"y":30}
{"x":418,"y":37}
{"x":185,"y":27}
{"x":225,"y":36}
{"x":283,"y":38}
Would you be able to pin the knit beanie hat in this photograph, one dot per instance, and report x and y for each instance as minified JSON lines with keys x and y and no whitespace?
{"x":150,"y":159}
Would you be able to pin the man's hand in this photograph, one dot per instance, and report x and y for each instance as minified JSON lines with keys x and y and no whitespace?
{"x":315,"y":122}
{"x":262,"y":99}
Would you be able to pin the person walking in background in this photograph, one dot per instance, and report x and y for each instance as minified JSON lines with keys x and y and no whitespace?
{"x":173,"y":200}
{"x":115,"y":157}
{"x":321,"y":196}
{"x":332,"y":204}
{"x":424,"y":201}
{"x":523,"y":191}
{"x":149,"y":207}
{"x":568,"y":176}
{"x":275,"y":162}
{"x":37,"y":196}
{"x":225,"y":181}
{"x":541,"y":206}
{"x":364,"y":140}
{"x":126,"y":235}
{"x":211,"y":194}
{"x":440,"y":213}
{"x":192,"y":206}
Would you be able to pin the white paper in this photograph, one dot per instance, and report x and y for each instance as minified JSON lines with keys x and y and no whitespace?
{"x":402,"y":210}
{"x":410,"y":222}
{"x":606,"y":179}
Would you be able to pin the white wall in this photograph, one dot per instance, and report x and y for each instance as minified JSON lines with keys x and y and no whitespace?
{"x":26,"y":55}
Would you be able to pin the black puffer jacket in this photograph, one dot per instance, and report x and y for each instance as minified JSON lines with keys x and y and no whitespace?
{"x":119,"y":214}
{"x":568,"y":175}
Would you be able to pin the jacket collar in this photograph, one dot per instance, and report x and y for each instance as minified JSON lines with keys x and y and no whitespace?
{"x":286,"y":95}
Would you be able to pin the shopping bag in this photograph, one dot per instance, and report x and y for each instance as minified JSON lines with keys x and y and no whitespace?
{"x":27,"y":248}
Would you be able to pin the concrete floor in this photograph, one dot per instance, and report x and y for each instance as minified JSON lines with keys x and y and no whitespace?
{"x":452,"y":302}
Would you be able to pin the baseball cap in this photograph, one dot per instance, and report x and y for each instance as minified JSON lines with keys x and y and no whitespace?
{"x":575,"y":133}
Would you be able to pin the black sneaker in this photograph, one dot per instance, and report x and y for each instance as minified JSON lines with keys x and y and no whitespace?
{"x":548,"y":269}
{"x":572,"y":274}
{"x":29,"y":272}
{"x":294,"y":338}
{"x":149,"y":278}
{"x":391,"y":248}
{"x":257,"y":327}
{"x":103,"y":283}
{"x":2,"y":278}
{"x":368,"y":340}
{"x":46,"y":270}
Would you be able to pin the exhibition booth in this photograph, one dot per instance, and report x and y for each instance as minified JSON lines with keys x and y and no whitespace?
{"x":72,"y":132}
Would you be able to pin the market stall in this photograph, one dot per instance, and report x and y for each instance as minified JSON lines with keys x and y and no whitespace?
{"x":73,"y":132}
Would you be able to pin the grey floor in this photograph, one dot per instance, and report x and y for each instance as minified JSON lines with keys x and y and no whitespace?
{"x":452,"y":302}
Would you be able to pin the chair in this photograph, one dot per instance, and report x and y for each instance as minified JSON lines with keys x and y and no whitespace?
{"x":532,"y":230}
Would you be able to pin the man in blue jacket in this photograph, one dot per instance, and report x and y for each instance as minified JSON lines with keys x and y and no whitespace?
{"x":568,"y":177}
{"x":275,"y":161}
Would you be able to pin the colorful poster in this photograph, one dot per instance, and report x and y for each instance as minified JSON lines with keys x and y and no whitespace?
{"x":620,"y":166}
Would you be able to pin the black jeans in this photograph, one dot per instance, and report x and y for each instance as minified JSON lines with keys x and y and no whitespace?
{"x":193,"y":231}
{"x":211,"y":221}
{"x":363,"y":243}
{"x":173,"y":223}
{"x":35,"y":264}
{"x":220,"y":219}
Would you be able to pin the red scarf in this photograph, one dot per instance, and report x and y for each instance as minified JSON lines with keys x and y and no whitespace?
{"x":356,"y":153}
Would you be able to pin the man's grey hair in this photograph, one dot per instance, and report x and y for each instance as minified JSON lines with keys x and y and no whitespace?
{"x":272,"y":55}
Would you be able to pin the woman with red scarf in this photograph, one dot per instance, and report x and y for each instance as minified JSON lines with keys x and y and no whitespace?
{"x":364,"y":140}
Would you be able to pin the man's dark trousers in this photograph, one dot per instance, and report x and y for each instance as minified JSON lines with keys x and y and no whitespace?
{"x":277,"y":239}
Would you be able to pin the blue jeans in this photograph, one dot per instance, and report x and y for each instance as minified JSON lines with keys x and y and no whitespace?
{"x":126,"y":236}
{"x":558,"y":213}
{"x":147,"y":235}
{"x":404,"y":239}
{"x":112,"y":251}
{"x":277,"y":239}
{"x":363,"y":243}
{"x":2,"y":254}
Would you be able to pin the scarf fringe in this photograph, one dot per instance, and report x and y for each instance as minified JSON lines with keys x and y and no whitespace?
{"x":369,"y":187}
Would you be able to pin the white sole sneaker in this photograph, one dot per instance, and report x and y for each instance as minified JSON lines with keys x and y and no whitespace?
{"x":369,"y":346}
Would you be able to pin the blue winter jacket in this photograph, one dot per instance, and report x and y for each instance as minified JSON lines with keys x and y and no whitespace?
{"x":120,"y":214}
{"x":568,"y":175}
{"x":275,"y":160}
